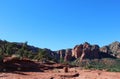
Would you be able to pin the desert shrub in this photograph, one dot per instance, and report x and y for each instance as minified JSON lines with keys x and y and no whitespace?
{"x":61,"y":60}
{"x":42,"y":55}
{"x":101,"y":64}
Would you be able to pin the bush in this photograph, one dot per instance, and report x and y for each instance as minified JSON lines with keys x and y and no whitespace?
{"x":108,"y":64}
{"x":42,"y":55}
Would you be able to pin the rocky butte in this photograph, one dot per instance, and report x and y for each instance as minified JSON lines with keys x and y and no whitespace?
{"x":88,"y":51}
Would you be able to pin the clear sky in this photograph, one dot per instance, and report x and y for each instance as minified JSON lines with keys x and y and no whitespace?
{"x":58,"y":24}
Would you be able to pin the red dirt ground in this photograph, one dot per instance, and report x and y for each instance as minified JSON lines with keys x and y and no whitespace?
{"x":51,"y":71}
{"x":59,"y":74}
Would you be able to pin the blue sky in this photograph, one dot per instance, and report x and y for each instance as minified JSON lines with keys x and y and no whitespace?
{"x":58,"y":24}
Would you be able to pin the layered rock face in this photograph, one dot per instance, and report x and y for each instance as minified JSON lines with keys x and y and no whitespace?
{"x":112,"y":49}
{"x":115,"y":49}
{"x":77,"y":51}
{"x":68,"y":55}
{"x":105,"y":49}
{"x":65,"y":54}
{"x":86,"y":51}
{"x":61,"y":53}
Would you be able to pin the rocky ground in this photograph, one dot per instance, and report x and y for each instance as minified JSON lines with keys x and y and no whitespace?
{"x":25,"y":69}
{"x":74,"y":73}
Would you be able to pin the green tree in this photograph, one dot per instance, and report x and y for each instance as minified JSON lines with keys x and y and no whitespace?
{"x":20,"y":52}
{"x":42,"y":55}
{"x":24,"y":46}
{"x":23,"y":52}
{"x":30,"y":55}
{"x":9,"y":49}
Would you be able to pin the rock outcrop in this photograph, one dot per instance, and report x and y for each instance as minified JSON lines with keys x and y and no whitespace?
{"x":16,"y":64}
{"x":86,"y":51}
{"x":61,"y":53}
{"x":68,"y":55}
{"x":65,"y":54}
{"x":77,"y":51}
{"x":105,"y":49}
{"x":112,"y":49}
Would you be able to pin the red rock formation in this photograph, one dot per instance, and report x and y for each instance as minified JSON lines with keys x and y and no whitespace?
{"x":82,"y":51}
{"x":86,"y":51}
{"x":12,"y":63}
{"x":68,"y":55}
{"x":61,"y":54}
{"x":77,"y":51}
{"x":104,"y":49}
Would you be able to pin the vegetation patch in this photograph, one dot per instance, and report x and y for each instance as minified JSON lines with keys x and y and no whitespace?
{"x":107,"y":64}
